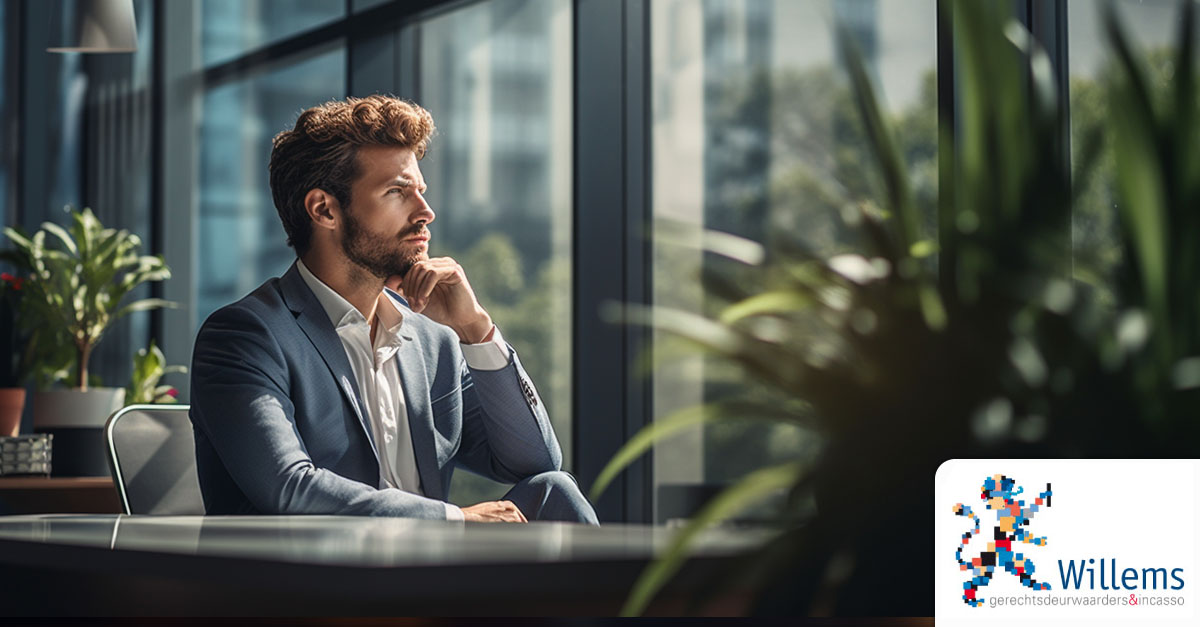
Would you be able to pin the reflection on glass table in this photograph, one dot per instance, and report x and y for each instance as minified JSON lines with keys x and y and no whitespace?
{"x":121,"y":565}
{"x":357,"y":540}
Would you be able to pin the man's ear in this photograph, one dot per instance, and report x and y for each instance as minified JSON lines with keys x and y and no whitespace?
{"x":323,"y":209}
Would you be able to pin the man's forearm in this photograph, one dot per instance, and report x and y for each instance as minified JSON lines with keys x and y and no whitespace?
{"x":477,"y":331}
{"x":526,"y":443}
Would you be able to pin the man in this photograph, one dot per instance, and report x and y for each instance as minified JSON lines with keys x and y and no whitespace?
{"x":357,"y":381}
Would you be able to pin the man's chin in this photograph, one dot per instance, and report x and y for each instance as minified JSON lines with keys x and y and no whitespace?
{"x":392,"y":281}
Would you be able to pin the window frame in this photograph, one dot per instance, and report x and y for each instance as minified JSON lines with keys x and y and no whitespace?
{"x":612,"y":182}
{"x":612,"y":225}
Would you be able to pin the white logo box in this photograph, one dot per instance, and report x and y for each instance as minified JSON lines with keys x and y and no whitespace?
{"x":1140,"y":513}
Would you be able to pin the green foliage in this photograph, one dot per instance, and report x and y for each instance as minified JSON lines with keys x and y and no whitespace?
{"x":13,"y":339}
{"x":74,"y":292}
{"x":751,"y":489}
{"x":496,"y":268}
{"x":896,"y":365}
{"x":149,"y":366}
{"x":792,"y":162}
{"x":1098,"y":258}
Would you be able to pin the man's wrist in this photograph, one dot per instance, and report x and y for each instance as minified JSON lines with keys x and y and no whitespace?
{"x":476,"y":332}
{"x":491,"y":354}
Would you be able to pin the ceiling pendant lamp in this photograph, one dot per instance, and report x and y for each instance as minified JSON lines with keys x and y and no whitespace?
{"x":96,"y":26}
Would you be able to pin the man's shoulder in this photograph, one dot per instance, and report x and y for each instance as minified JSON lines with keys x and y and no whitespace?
{"x":265,"y":305}
{"x":253,"y":330}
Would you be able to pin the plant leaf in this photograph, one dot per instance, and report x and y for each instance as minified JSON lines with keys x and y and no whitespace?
{"x":774,"y":302}
{"x":674,"y":423}
{"x":62,"y":235}
{"x":751,"y":489}
{"x":145,"y":304}
{"x":687,"y":234}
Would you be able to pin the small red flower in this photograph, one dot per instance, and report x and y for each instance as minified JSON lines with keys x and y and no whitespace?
{"x":17,"y":283}
{"x":172,"y":392}
{"x":6,"y":276}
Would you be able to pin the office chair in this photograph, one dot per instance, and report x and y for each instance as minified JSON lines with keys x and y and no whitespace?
{"x":152,"y":455}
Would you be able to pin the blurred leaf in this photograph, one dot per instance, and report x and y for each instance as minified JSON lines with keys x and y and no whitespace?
{"x":689,"y":235}
{"x":696,"y":327}
{"x":923,"y":248}
{"x":751,"y":489}
{"x":62,"y":235}
{"x":883,"y":143}
{"x":146,"y":304}
{"x":776,"y":302}
{"x":663,"y":428}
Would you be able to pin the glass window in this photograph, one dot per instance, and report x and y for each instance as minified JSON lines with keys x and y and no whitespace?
{"x":497,"y":78}
{"x":234,"y":27}
{"x":115,"y":138}
{"x":5,"y":201}
{"x":755,"y":133}
{"x":241,"y":241}
{"x":363,"y":5}
{"x":1153,"y":27}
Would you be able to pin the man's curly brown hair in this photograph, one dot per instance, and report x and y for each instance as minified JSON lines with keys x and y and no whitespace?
{"x":321,"y":151}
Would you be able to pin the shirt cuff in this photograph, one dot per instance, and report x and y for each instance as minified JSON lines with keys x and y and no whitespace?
{"x":454,"y":513}
{"x":490,"y":355}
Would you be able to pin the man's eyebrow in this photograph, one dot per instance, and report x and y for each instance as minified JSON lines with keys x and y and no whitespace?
{"x":402,"y":181}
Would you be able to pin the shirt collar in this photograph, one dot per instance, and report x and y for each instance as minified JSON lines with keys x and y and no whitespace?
{"x":341,"y":313}
{"x":388,"y":312}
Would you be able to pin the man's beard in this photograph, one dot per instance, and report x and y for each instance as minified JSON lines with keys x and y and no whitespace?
{"x":379,"y":256}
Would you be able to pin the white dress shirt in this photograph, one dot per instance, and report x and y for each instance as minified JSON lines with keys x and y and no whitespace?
{"x":378,"y":378}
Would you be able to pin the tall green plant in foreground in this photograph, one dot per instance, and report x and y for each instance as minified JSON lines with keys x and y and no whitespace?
{"x":897,"y":367}
{"x":75,"y":289}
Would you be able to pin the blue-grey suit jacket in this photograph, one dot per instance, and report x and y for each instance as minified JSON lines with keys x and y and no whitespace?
{"x":280,"y":425}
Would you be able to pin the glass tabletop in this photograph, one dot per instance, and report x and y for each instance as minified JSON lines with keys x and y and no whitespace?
{"x":365,"y":542}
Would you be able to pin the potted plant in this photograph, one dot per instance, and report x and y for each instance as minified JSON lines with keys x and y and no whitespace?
{"x":149,"y":366}
{"x":894,"y":368}
{"x":12,"y":345}
{"x":78,"y":280}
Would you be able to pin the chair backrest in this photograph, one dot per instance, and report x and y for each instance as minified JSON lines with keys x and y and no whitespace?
{"x":152,"y":455}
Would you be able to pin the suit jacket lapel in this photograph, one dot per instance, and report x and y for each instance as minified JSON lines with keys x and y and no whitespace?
{"x":316,"y":325}
{"x":415,"y":381}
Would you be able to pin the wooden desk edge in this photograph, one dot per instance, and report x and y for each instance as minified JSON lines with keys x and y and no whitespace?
{"x":54,"y":483}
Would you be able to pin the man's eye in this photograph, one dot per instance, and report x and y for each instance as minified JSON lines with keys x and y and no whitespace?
{"x":396,"y":190}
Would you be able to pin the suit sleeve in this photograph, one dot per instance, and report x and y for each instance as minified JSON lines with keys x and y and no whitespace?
{"x":240,"y":401}
{"x":507,"y":434}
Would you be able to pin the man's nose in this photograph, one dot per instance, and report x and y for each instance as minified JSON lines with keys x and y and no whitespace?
{"x":425,"y":213}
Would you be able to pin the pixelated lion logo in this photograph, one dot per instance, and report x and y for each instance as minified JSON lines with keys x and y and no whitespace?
{"x":1012,"y":516}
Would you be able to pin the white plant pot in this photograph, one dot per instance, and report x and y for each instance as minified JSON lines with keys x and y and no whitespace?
{"x":75,"y":419}
{"x":56,"y":409}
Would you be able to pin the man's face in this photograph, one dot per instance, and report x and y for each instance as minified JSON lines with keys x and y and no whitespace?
{"x":384,"y":228}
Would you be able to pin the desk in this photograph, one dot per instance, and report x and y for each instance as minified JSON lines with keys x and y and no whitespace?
{"x":46,"y":495}
{"x":333,"y":565}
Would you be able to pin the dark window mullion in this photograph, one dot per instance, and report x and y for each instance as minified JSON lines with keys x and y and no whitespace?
{"x":1047,"y":22}
{"x":608,"y":264}
{"x":947,"y":103}
{"x":638,"y":214}
{"x":158,"y":235}
{"x":375,"y":21}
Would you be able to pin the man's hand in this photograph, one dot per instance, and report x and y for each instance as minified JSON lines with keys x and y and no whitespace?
{"x":494,"y":511}
{"x":439,"y":289}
